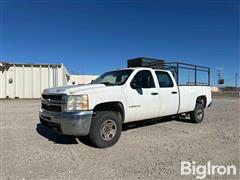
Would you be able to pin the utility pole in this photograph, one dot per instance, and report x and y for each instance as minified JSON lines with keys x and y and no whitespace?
{"x":236,"y":81}
{"x":219,"y":75}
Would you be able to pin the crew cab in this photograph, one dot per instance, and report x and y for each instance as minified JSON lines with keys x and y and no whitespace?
{"x":99,"y":109}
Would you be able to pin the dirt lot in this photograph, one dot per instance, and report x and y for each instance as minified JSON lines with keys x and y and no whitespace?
{"x":151,"y":150}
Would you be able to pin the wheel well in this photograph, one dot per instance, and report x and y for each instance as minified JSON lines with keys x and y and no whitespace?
{"x":202,"y":100}
{"x":111,"y":106}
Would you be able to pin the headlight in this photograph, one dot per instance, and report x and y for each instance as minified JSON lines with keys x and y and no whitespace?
{"x":77,"y":103}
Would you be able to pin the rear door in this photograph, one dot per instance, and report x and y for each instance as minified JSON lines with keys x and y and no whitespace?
{"x":168,"y":94}
{"x":143,"y":101}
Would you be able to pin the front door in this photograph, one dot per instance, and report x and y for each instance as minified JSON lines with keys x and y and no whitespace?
{"x":143,"y":97}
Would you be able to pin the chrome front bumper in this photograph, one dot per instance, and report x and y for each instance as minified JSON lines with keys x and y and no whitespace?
{"x":68,"y":123}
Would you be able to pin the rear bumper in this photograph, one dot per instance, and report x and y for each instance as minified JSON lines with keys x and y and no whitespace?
{"x":68,"y":123}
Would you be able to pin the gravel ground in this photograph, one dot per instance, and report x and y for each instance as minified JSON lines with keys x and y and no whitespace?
{"x":150,"y":150}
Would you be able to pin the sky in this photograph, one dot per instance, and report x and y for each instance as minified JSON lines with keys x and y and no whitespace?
{"x":91,"y":37}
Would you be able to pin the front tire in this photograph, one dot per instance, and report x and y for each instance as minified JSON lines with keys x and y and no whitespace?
{"x":197,"y":115}
{"x":106,"y":128}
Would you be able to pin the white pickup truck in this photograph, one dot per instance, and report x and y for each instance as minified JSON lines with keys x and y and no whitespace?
{"x":99,"y":109}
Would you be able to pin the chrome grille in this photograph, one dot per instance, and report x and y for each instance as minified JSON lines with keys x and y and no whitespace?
{"x":51,"y":108}
{"x":53,"y":103}
{"x":52,"y":97}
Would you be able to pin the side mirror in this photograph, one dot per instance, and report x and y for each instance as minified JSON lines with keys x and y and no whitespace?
{"x":134,"y":85}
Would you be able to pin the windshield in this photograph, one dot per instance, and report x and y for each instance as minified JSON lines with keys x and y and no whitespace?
{"x":113,"y":78}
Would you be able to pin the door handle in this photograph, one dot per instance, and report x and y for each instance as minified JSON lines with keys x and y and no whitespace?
{"x":154,"y":93}
{"x":174,"y":92}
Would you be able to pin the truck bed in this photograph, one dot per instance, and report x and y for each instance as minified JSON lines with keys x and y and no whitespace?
{"x":188,"y":93}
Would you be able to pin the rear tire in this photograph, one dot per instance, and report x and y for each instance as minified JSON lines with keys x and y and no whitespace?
{"x":106,"y":128}
{"x":197,"y":115}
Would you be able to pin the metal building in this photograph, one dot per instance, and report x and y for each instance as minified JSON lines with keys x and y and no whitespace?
{"x":81,"y":79}
{"x":29,"y":80}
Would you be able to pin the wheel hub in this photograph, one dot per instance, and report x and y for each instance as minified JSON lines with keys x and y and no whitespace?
{"x":199,"y":114}
{"x":108,"y":130}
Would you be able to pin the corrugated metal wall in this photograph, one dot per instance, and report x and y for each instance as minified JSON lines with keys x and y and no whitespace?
{"x":28,"y":81}
{"x":81,"y":79}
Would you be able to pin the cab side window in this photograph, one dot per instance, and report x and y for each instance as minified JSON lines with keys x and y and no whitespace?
{"x":144,"y":79}
{"x":164,"y":79}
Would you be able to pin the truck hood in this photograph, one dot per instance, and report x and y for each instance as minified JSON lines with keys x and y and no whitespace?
{"x":71,"y":89}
